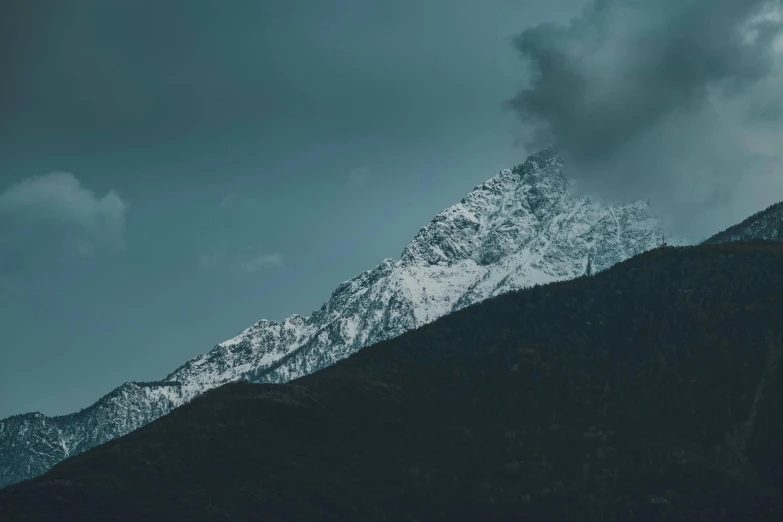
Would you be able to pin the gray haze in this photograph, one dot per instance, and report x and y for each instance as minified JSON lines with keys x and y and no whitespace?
{"x":173,"y":171}
{"x":679,"y":101}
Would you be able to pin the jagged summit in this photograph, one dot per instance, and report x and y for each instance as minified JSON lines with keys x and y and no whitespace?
{"x":519,"y":228}
{"x":487,"y":214}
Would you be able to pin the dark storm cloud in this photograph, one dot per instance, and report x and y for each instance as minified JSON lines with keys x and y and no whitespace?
{"x":645,"y":97}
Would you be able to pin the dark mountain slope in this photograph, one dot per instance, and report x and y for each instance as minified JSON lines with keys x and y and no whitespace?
{"x":651,"y":391}
{"x":766,"y":224}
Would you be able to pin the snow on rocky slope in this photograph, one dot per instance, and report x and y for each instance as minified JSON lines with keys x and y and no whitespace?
{"x":519,"y":228}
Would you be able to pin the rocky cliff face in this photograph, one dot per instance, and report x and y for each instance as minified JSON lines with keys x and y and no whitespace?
{"x":520,"y":228}
{"x":32,"y":443}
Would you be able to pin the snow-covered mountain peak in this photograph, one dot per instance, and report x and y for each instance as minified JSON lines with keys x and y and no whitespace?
{"x":499,"y":211}
{"x":519,"y":228}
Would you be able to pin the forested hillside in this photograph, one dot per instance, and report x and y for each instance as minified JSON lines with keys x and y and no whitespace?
{"x":766,"y":224}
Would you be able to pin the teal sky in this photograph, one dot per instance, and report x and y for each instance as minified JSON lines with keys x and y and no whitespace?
{"x":172,"y":172}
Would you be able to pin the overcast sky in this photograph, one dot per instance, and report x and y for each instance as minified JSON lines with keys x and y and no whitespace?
{"x":173,"y":171}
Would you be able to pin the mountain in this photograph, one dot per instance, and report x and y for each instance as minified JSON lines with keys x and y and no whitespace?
{"x":651,"y":391}
{"x":767,"y":224}
{"x":32,"y":443}
{"x":519,"y":228}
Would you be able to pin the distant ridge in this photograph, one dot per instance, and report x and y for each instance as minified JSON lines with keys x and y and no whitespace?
{"x":766,"y":224}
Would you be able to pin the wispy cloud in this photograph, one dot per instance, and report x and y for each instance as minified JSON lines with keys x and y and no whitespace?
{"x":257,"y":262}
{"x":250,"y":260}
{"x":234,"y":205}
{"x":358,"y":176}
{"x":61,"y":208}
{"x":224,"y":253}
{"x":210,"y":261}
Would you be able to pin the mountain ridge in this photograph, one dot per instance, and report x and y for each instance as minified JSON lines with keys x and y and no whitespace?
{"x":765,"y":224}
{"x":618,"y":397}
{"x":519,"y":228}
